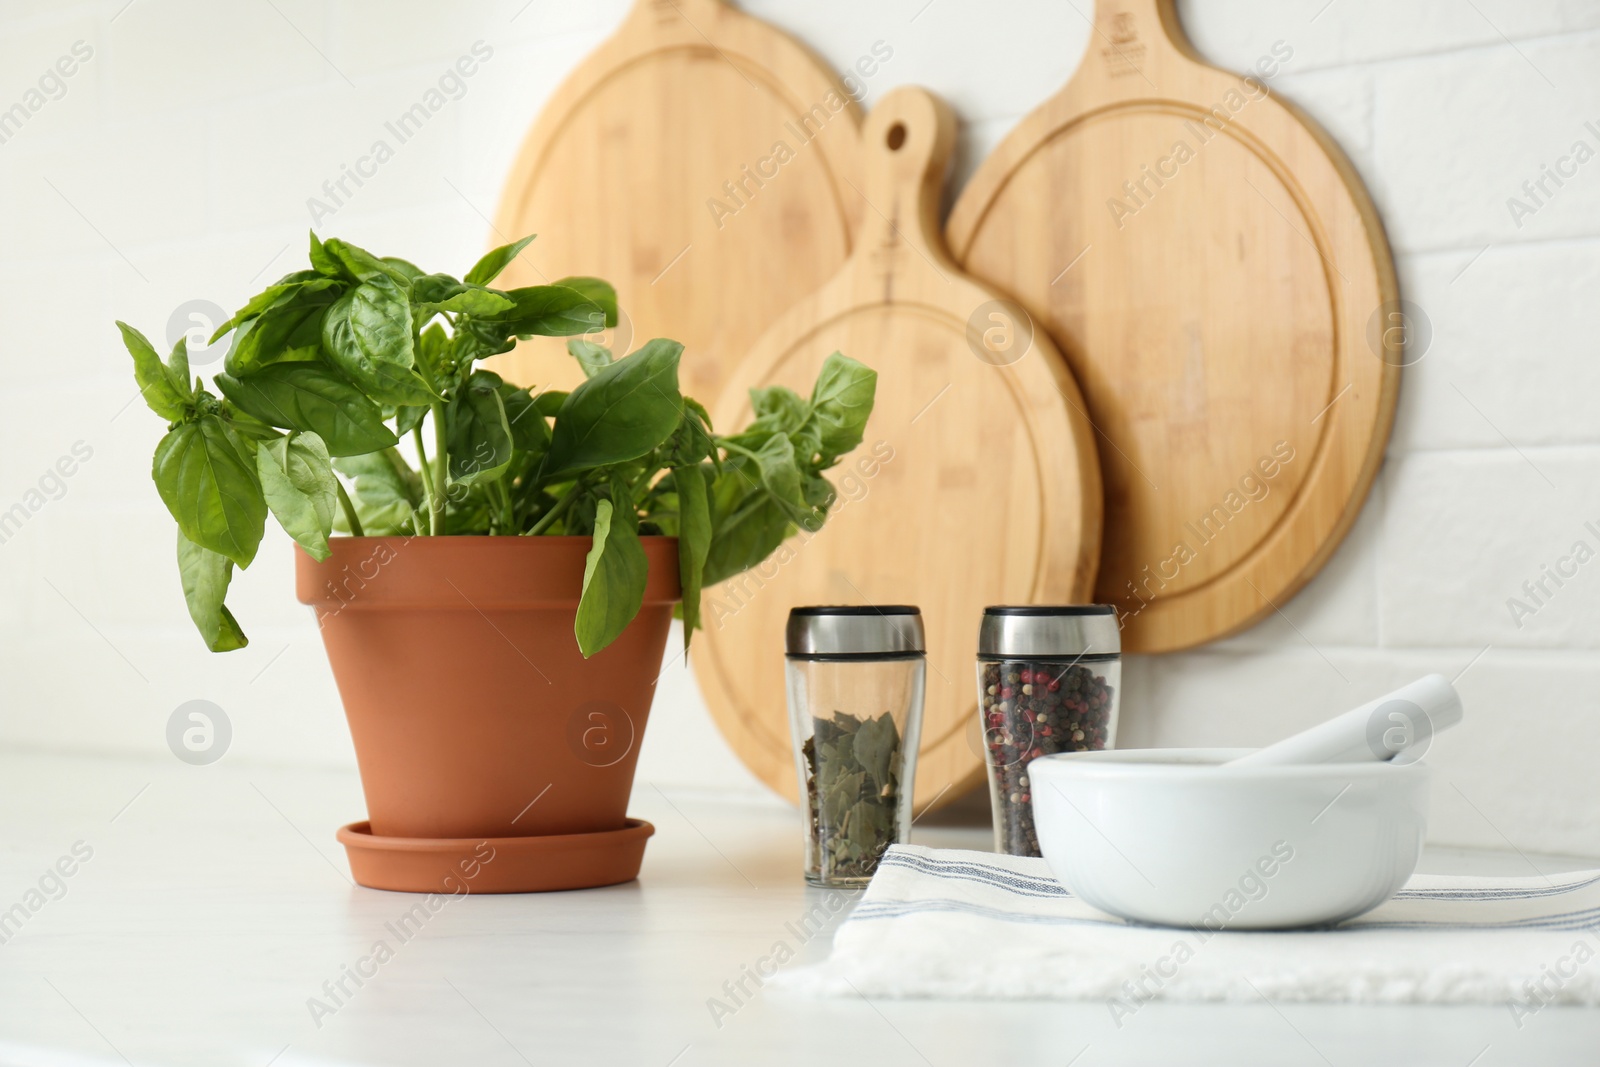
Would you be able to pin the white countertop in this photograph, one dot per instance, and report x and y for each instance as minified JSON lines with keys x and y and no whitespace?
{"x":216,"y":903}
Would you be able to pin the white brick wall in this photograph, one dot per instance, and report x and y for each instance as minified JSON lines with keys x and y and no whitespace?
{"x":183,"y":152}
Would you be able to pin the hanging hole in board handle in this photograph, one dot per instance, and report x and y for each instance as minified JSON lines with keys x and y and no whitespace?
{"x":896,"y":136}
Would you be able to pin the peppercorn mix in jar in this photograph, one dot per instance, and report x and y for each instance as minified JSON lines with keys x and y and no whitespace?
{"x":1048,"y":680}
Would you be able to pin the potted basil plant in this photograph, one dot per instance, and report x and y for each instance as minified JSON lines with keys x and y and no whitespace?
{"x":497,"y":609}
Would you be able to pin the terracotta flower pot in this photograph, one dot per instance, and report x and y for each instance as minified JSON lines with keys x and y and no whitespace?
{"x":473,"y":712}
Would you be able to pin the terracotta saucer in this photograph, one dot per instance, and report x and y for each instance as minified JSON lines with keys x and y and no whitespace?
{"x":495,"y":864}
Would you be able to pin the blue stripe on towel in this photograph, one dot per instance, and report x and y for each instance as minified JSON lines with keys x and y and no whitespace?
{"x":868,"y":910}
{"x":896,"y":909}
{"x":958,"y":870}
{"x":1496,"y":892}
{"x":1026,"y":885}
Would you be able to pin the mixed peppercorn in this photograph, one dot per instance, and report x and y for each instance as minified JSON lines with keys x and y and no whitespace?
{"x":1032,"y":709}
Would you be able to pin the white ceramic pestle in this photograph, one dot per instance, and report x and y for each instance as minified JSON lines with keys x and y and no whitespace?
{"x":1398,"y":726}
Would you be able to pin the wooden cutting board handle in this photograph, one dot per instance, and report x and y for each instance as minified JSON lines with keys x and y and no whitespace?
{"x":906,"y":146}
{"x":689,"y":11}
{"x":1134,"y":40}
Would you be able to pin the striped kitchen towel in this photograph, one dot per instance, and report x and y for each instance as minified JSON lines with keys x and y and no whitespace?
{"x":948,"y":923}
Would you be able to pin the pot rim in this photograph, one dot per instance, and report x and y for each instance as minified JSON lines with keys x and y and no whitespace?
{"x":471,"y":572}
{"x":537,"y":538}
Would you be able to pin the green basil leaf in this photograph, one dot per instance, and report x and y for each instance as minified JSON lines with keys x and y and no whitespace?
{"x":299,"y":486}
{"x":483,"y":302}
{"x":361,"y":265}
{"x":245,"y":444}
{"x":620,"y":414}
{"x":476,"y":430}
{"x":548,"y":403}
{"x":210,"y":489}
{"x":432,"y":287}
{"x":404,"y":266}
{"x":284,"y":331}
{"x":570,"y":306}
{"x":579,"y":520}
{"x":841,"y":403}
{"x":310,"y":397}
{"x":698,"y":439}
{"x":699,"y":409}
{"x":755,"y":436}
{"x":694,"y":541}
{"x":691,"y":442}
{"x":591,"y":357}
{"x":155,"y":384}
{"x":597,"y":291}
{"x":432,"y":293}
{"x":808,"y":450}
{"x":746,"y":536}
{"x":819,"y":493}
{"x":780,"y":476}
{"x":614,"y":576}
{"x":323,"y":261}
{"x":399,"y":386}
{"x":205,"y":575}
{"x":409,"y":417}
{"x":529,"y":431}
{"x":489,"y":267}
{"x":476,"y":338}
{"x":246,"y":426}
{"x":367,"y":335}
{"x":433,"y":345}
{"x":781,"y":406}
{"x":277,"y":295}
{"x":386,"y":492}
{"x":177,"y":368}
{"x":469,"y":511}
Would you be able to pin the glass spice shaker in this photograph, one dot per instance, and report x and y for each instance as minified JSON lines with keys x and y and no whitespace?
{"x":855,"y":683}
{"x":1048,"y":679}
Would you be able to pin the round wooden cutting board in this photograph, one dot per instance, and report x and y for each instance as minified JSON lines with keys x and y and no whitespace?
{"x":700,"y":161}
{"x":977,"y":483}
{"x":1215,"y":273}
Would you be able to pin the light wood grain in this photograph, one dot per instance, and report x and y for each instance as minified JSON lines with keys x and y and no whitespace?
{"x":700,"y":161}
{"x":1209,"y":263}
{"x":977,"y":484}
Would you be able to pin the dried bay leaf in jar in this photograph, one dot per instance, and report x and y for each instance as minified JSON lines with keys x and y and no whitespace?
{"x":855,"y":679}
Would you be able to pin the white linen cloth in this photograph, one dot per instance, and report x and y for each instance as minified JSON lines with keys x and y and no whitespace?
{"x":957,"y":924}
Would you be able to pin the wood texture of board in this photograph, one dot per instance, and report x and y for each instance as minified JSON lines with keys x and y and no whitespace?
{"x":1219,"y":281}
{"x":700,"y":161}
{"x":977,"y":484}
